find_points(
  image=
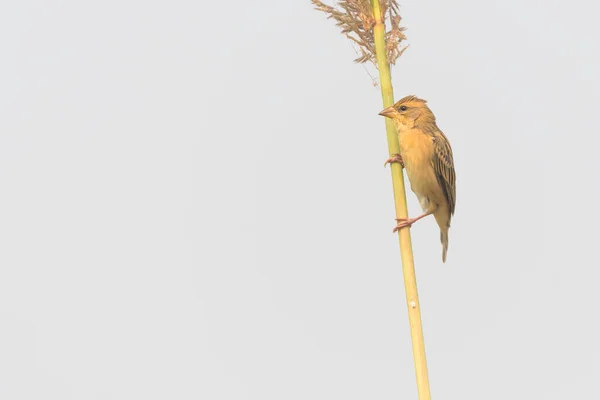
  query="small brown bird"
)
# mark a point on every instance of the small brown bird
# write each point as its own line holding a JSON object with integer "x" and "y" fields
{"x": 427, "y": 156}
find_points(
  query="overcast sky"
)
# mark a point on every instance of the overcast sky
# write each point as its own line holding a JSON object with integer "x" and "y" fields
{"x": 194, "y": 206}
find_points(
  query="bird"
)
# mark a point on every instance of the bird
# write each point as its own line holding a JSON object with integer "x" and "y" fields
{"x": 426, "y": 155}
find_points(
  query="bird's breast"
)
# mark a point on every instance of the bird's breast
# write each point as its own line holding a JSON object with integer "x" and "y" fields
{"x": 416, "y": 149}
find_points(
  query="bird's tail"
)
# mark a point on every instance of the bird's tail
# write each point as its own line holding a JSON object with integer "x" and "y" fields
{"x": 442, "y": 217}
{"x": 444, "y": 240}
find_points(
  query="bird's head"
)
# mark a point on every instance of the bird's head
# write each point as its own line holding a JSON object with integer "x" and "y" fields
{"x": 408, "y": 110}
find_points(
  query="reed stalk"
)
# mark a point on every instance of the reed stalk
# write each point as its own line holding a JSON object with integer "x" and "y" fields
{"x": 406, "y": 253}
{"x": 365, "y": 24}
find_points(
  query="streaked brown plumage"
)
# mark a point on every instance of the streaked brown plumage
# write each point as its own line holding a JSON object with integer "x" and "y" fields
{"x": 426, "y": 155}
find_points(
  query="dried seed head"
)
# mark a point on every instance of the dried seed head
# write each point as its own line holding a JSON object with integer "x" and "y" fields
{"x": 355, "y": 19}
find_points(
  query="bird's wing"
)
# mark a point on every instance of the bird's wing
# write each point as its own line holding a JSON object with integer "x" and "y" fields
{"x": 443, "y": 165}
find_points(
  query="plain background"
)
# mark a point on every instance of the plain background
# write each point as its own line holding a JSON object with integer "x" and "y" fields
{"x": 194, "y": 206}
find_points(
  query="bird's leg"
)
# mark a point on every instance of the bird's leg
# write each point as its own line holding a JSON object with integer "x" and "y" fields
{"x": 396, "y": 158}
{"x": 404, "y": 222}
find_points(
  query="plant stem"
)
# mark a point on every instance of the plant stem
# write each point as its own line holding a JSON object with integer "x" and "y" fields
{"x": 408, "y": 266}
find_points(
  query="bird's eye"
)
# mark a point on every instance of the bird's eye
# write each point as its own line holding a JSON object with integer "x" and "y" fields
{"x": 403, "y": 108}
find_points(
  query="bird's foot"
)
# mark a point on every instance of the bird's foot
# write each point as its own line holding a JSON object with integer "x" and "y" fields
{"x": 403, "y": 223}
{"x": 396, "y": 158}
{"x": 407, "y": 222}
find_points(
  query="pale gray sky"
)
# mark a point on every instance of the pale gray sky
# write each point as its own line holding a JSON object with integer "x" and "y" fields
{"x": 194, "y": 204}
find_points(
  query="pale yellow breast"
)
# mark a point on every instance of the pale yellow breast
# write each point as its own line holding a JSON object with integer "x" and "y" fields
{"x": 416, "y": 149}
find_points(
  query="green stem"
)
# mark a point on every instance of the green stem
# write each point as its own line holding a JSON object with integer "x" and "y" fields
{"x": 408, "y": 267}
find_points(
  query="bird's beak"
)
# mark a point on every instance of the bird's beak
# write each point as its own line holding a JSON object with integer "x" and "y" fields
{"x": 389, "y": 112}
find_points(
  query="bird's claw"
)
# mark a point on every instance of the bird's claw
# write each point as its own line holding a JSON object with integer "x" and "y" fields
{"x": 396, "y": 158}
{"x": 403, "y": 223}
